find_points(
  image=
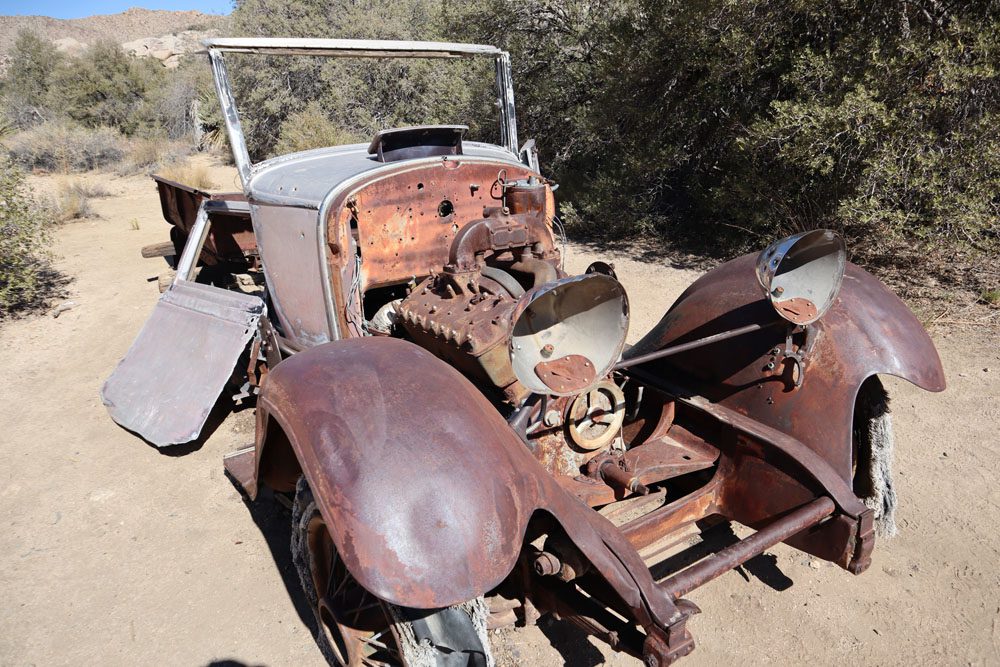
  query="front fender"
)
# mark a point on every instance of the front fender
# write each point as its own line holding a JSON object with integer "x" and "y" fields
{"x": 426, "y": 488}
{"x": 867, "y": 331}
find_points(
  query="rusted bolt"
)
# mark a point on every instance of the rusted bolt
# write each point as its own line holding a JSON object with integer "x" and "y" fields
{"x": 552, "y": 418}
{"x": 547, "y": 350}
{"x": 778, "y": 291}
{"x": 547, "y": 564}
{"x": 770, "y": 366}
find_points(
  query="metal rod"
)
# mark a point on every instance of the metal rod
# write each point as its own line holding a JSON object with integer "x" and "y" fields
{"x": 231, "y": 117}
{"x": 684, "y": 347}
{"x": 734, "y": 555}
{"x": 192, "y": 247}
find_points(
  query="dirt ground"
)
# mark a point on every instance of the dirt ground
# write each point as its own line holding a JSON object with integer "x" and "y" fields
{"x": 114, "y": 552}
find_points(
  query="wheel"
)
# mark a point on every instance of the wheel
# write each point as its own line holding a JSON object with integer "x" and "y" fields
{"x": 355, "y": 628}
{"x": 873, "y": 453}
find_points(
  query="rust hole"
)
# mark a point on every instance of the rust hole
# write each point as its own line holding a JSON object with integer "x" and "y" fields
{"x": 445, "y": 208}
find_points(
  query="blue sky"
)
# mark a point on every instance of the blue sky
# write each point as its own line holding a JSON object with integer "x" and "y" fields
{"x": 73, "y": 9}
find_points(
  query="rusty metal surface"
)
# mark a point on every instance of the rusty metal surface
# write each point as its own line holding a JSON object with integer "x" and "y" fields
{"x": 241, "y": 465}
{"x": 430, "y": 497}
{"x": 231, "y": 237}
{"x": 565, "y": 375}
{"x": 365, "y": 215}
{"x": 469, "y": 331}
{"x": 797, "y": 310}
{"x": 168, "y": 381}
{"x": 635, "y": 360}
{"x": 867, "y": 331}
{"x": 459, "y": 513}
{"x": 734, "y": 555}
{"x": 400, "y": 229}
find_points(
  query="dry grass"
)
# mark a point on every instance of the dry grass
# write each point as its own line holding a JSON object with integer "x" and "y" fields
{"x": 89, "y": 190}
{"x": 71, "y": 203}
{"x": 72, "y": 200}
{"x": 149, "y": 155}
{"x": 194, "y": 175}
{"x": 64, "y": 147}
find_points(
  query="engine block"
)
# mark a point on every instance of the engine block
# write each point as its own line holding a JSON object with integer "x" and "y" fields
{"x": 467, "y": 330}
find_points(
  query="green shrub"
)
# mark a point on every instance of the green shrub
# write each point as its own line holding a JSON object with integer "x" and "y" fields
{"x": 358, "y": 96}
{"x": 719, "y": 125}
{"x": 309, "y": 128}
{"x": 106, "y": 87}
{"x": 33, "y": 59}
{"x": 66, "y": 147}
{"x": 23, "y": 242}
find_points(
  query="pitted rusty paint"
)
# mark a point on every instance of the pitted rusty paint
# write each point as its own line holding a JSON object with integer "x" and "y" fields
{"x": 868, "y": 331}
{"x": 467, "y": 455}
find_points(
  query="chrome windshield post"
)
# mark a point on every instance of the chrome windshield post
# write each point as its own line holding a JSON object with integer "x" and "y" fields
{"x": 232, "y": 119}
{"x": 505, "y": 101}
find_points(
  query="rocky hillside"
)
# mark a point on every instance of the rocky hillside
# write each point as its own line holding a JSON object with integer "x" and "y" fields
{"x": 127, "y": 26}
{"x": 160, "y": 34}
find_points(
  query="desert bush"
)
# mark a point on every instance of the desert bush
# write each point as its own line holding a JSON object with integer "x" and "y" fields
{"x": 103, "y": 87}
{"x": 309, "y": 128}
{"x": 188, "y": 173}
{"x": 66, "y": 147}
{"x": 71, "y": 202}
{"x": 360, "y": 97}
{"x": 106, "y": 87}
{"x": 719, "y": 125}
{"x": 26, "y": 87}
{"x": 23, "y": 241}
{"x": 177, "y": 106}
{"x": 89, "y": 190}
{"x": 148, "y": 155}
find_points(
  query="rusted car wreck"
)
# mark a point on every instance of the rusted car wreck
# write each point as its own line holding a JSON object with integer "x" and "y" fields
{"x": 469, "y": 442}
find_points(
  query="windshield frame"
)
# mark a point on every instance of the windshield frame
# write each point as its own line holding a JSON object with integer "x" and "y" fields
{"x": 349, "y": 48}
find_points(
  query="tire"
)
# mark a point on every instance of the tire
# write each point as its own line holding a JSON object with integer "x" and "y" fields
{"x": 355, "y": 628}
{"x": 873, "y": 454}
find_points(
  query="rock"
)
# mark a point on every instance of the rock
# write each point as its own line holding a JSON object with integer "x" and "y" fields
{"x": 162, "y": 54}
{"x": 62, "y": 308}
{"x": 69, "y": 46}
{"x": 168, "y": 49}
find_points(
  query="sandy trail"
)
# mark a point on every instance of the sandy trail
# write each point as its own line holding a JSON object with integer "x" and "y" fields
{"x": 115, "y": 553}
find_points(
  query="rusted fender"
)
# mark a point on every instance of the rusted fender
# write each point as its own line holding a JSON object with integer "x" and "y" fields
{"x": 867, "y": 331}
{"x": 427, "y": 489}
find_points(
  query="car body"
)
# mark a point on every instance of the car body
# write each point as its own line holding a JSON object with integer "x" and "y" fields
{"x": 464, "y": 418}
